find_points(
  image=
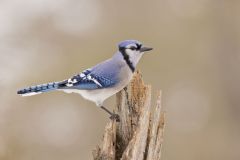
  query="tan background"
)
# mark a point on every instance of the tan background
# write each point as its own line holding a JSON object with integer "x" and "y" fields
{"x": 195, "y": 62}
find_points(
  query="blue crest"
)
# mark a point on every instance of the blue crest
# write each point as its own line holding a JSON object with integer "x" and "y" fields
{"x": 125, "y": 43}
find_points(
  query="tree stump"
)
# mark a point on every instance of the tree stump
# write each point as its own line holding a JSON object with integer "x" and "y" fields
{"x": 139, "y": 134}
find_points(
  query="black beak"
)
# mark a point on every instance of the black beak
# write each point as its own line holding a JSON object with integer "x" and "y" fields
{"x": 145, "y": 49}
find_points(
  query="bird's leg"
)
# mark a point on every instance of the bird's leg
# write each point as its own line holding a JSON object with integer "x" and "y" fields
{"x": 112, "y": 115}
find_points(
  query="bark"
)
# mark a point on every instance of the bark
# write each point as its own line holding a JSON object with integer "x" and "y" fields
{"x": 139, "y": 134}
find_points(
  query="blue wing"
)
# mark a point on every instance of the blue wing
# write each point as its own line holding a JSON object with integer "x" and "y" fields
{"x": 87, "y": 80}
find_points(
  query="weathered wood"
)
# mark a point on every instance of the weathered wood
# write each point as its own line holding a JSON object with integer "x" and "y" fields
{"x": 156, "y": 132}
{"x": 138, "y": 135}
{"x": 107, "y": 150}
{"x": 137, "y": 146}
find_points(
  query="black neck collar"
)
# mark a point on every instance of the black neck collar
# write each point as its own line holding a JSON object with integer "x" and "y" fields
{"x": 127, "y": 59}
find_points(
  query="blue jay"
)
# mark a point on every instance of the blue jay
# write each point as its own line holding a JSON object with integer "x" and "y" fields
{"x": 101, "y": 81}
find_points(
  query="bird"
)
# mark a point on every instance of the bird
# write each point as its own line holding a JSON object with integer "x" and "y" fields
{"x": 101, "y": 81}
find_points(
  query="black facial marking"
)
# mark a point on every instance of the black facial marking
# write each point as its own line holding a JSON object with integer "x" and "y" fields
{"x": 126, "y": 58}
{"x": 139, "y": 46}
{"x": 133, "y": 48}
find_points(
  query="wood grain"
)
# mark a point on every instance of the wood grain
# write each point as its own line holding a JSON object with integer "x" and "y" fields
{"x": 139, "y": 134}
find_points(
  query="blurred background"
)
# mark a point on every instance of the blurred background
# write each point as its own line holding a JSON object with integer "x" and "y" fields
{"x": 195, "y": 62}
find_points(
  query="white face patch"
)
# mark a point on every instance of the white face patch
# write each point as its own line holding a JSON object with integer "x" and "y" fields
{"x": 134, "y": 56}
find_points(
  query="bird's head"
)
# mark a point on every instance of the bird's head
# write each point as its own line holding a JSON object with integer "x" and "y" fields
{"x": 132, "y": 50}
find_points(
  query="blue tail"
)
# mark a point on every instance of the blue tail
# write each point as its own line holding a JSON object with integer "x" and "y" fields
{"x": 38, "y": 89}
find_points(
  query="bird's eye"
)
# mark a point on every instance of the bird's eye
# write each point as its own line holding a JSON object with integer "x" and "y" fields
{"x": 133, "y": 48}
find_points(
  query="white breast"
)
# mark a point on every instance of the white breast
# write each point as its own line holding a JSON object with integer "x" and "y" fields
{"x": 98, "y": 96}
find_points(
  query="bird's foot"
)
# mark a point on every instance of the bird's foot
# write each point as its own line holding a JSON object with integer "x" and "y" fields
{"x": 115, "y": 117}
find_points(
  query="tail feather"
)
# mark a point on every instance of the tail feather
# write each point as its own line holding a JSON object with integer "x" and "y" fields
{"x": 33, "y": 90}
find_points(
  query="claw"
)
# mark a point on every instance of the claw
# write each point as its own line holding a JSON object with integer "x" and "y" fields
{"x": 115, "y": 117}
